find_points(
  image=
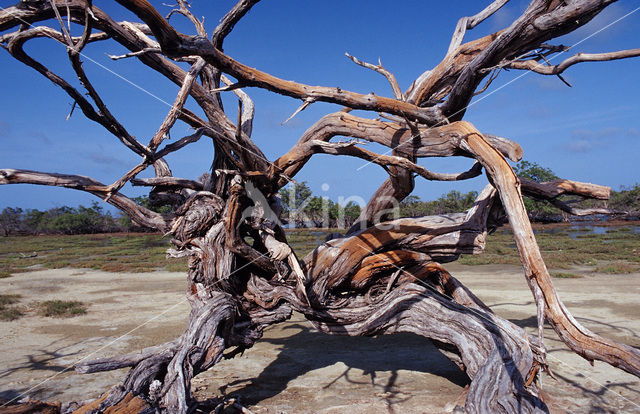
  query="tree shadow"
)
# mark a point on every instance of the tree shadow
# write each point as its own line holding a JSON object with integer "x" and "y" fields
{"x": 308, "y": 350}
{"x": 599, "y": 403}
{"x": 529, "y": 322}
{"x": 43, "y": 360}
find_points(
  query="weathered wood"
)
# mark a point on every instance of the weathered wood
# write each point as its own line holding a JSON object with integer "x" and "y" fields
{"x": 468, "y": 23}
{"x": 537, "y": 67}
{"x": 168, "y": 182}
{"x": 384, "y": 275}
{"x": 578, "y": 338}
{"x": 29, "y": 407}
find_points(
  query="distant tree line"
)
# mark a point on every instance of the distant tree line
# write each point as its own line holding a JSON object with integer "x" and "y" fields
{"x": 452, "y": 202}
{"x": 65, "y": 220}
{"x": 301, "y": 208}
{"x": 627, "y": 200}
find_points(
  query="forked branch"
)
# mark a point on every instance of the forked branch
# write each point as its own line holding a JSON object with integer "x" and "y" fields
{"x": 468, "y": 23}
{"x": 538, "y": 67}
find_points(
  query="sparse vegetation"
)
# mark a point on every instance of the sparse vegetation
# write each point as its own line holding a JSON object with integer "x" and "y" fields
{"x": 564, "y": 247}
{"x": 617, "y": 268}
{"x": 6, "y": 299}
{"x": 8, "y": 312}
{"x": 62, "y": 308}
{"x": 51, "y": 308}
{"x": 120, "y": 252}
{"x": 566, "y": 275}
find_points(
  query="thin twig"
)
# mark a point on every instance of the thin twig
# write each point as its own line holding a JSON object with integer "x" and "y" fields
{"x": 381, "y": 70}
{"x": 301, "y": 108}
{"x": 138, "y": 53}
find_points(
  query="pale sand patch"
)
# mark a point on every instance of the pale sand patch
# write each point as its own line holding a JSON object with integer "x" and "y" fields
{"x": 295, "y": 369}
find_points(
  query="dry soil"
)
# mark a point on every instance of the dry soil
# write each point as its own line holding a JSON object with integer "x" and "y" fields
{"x": 296, "y": 369}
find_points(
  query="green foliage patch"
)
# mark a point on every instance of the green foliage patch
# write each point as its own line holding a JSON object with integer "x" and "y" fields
{"x": 303, "y": 209}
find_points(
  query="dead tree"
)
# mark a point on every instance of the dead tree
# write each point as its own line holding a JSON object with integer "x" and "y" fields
{"x": 382, "y": 276}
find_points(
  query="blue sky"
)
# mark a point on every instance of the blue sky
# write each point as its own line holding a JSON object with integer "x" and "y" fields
{"x": 589, "y": 132}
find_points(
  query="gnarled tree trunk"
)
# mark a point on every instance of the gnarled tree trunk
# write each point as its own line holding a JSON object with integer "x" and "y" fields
{"x": 384, "y": 275}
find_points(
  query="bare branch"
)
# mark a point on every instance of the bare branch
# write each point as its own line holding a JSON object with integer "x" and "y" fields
{"x": 134, "y": 54}
{"x": 434, "y": 142}
{"x": 86, "y": 33}
{"x": 557, "y": 188}
{"x": 178, "y": 104}
{"x": 176, "y": 44}
{"x": 108, "y": 118}
{"x": 350, "y": 148}
{"x": 116, "y": 186}
{"x": 492, "y": 77}
{"x": 301, "y": 108}
{"x": 540, "y": 22}
{"x": 468, "y": 23}
{"x": 229, "y": 21}
{"x": 248, "y": 107}
{"x": 67, "y": 36}
{"x": 182, "y": 142}
{"x": 228, "y": 87}
{"x": 537, "y": 67}
{"x": 429, "y": 87}
{"x": 381, "y": 70}
{"x": 580, "y": 211}
{"x": 243, "y": 275}
{"x": 139, "y": 214}
{"x": 184, "y": 10}
{"x": 104, "y": 118}
{"x": 581, "y": 340}
{"x": 167, "y": 182}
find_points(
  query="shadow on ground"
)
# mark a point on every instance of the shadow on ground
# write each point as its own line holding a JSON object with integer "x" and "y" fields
{"x": 373, "y": 362}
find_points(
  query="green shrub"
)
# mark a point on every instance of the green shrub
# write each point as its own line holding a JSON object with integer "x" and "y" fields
{"x": 62, "y": 308}
{"x": 9, "y": 313}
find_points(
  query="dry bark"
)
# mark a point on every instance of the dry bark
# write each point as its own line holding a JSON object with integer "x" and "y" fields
{"x": 384, "y": 275}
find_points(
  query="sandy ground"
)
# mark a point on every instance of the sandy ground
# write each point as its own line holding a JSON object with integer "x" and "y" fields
{"x": 295, "y": 369}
